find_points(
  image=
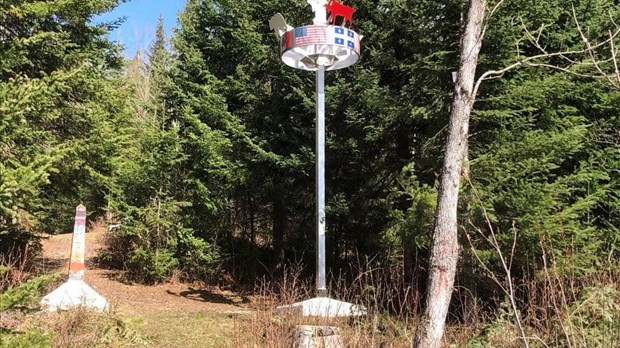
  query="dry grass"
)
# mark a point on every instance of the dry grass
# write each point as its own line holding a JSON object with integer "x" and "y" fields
{"x": 14, "y": 268}
{"x": 275, "y": 330}
{"x": 82, "y": 327}
{"x": 190, "y": 330}
{"x": 557, "y": 311}
{"x": 566, "y": 325}
{"x": 382, "y": 291}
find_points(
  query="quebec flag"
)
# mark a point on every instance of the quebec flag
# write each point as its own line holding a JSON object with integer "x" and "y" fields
{"x": 345, "y": 37}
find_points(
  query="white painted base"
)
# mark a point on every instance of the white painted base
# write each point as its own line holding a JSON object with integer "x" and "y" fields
{"x": 310, "y": 336}
{"x": 73, "y": 294}
{"x": 324, "y": 307}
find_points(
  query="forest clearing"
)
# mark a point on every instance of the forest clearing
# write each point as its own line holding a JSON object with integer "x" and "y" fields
{"x": 448, "y": 170}
{"x": 165, "y": 315}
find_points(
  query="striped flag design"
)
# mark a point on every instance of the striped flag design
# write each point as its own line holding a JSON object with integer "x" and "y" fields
{"x": 310, "y": 35}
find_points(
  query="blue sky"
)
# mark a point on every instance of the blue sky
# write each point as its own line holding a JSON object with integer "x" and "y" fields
{"x": 141, "y": 18}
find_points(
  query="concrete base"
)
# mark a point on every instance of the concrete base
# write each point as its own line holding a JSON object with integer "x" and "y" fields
{"x": 324, "y": 307}
{"x": 310, "y": 336}
{"x": 73, "y": 294}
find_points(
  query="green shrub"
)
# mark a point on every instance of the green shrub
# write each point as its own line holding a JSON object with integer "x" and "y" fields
{"x": 198, "y": 258}
{"x": 500, "y": 332}
{"x": 150, "y": 266}
{"x": 594, "y": 320}
{"x": 24, "y": 294}
{"x": 18, "y": 298}
{"x": 28, "y": 339}
{"x": 118, "y": 245}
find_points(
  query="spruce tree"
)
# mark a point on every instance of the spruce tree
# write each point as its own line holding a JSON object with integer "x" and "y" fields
{"x": 60, "y": 113}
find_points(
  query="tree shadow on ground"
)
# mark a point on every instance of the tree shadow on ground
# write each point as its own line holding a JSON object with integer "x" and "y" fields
{"x": 116, "y": 275}
{"x": 210, "y": 296}
{"x": 45, "y": 265}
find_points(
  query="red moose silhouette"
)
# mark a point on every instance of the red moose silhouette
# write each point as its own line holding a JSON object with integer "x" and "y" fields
{"x": 336, "y": 9}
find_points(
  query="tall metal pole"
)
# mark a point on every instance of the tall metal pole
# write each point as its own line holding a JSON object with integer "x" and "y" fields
{"x": 319, "y": 47}
{"x": 321, "y": 284}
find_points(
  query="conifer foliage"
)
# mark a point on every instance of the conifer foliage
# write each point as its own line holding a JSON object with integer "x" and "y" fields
{"x": 59, "y": 114}
{"x": 200, "y": 148}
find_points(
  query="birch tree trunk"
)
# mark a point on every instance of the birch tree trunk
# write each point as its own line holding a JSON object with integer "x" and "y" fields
{"x": 444, "y": 253}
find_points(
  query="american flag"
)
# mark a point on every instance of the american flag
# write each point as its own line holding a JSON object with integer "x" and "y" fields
{"x": 310, "y": 35}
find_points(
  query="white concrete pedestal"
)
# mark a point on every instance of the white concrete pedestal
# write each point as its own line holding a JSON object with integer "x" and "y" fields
{"x": 324, "y": 307}
{"x": 74, "y": 294}
{"x": 311, "y": 336}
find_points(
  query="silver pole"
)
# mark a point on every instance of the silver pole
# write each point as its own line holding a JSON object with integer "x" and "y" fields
{"x": 320, "y": 182}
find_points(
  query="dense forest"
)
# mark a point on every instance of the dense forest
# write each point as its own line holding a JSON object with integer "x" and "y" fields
{"x": 201, "y": 147}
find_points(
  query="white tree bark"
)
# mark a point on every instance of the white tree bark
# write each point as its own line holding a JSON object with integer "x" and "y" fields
{"x": 444, "y": 253}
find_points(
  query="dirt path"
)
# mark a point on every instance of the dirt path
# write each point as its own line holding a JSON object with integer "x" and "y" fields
{"x": 138, "y": 299}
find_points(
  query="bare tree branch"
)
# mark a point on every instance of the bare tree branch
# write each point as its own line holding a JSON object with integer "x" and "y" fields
{"x": 591, "y": 50}
{"x": 613, "y": 58}
{"x": 489, "y": 16}
{"x": 566, "y": 70}
{"x": 498, "y": 73}
{"x": 508, "y": 288}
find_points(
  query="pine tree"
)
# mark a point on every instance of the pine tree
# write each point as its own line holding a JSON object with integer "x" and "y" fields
{"x": 367, "y": 105}
{"x": 537, "y": 193}
{"x": 171, "y": 203}
{"x": 60, "y": 113}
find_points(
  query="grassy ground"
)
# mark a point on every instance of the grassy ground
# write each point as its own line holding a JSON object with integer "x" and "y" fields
{"x": 190, "y": 315}
{"x": 198, "y": 329}
{"x": 182, "y": 315}
{"x": 165, "y": 315}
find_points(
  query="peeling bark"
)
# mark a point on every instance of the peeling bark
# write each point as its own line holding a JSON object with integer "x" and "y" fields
{"x": 444, "y": 252}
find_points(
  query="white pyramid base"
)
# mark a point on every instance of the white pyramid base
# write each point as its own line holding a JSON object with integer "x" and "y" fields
{"x": 74, "y": 294}
{"x": 324, "y": 307}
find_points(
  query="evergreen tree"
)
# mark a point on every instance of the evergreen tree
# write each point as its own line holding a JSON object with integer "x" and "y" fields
{"x": 173, "y": 176}
{"x": 367, "y": 106}
{"x": 60, "y": 114}
{"x": 536, "y": 160}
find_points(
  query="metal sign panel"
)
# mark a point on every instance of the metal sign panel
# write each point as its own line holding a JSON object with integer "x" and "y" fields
{"x": 304, "y": 47}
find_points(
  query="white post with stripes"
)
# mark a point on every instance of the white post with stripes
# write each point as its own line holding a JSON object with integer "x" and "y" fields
{"x": 75, "y": 293}
{"x": 78, "y": 245}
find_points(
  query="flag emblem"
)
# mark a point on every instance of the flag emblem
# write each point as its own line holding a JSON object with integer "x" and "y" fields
{"x": 339, "y": 41}
{"x": 309, "y": 35}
